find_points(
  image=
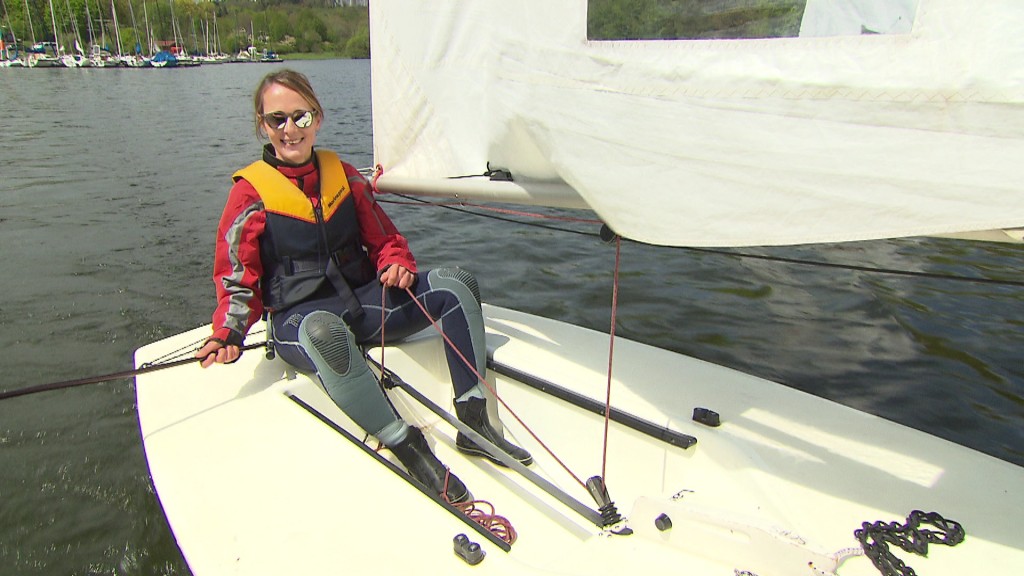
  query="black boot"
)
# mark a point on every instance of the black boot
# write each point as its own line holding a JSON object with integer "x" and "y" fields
{"x": 473, "y": 413}
{"x": 414, "y": 453}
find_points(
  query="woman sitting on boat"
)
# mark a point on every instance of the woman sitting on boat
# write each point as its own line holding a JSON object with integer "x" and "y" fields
{"x": 302, "y": 237}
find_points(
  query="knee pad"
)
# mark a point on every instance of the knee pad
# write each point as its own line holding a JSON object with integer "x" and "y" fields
{"x": 346, "y": 378}
{"x": 328, "y": 342}
{"x": 459, "y": 281}
{"x": 467, "y": 291}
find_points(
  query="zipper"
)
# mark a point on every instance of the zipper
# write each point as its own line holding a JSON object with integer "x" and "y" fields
{"x": 318, "y": 213}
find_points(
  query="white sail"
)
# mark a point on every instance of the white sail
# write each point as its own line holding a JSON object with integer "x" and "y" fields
{"x": 712, "y": 142}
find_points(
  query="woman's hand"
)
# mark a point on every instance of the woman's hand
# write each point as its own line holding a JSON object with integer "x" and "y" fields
{"x": 216, "y": 351}
{"x": 397, "y": 277}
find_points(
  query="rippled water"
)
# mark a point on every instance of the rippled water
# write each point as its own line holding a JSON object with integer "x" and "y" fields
{"x": 112, "y": 184}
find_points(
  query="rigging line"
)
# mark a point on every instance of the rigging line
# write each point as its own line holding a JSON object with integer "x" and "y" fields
{"x": 416, "y": 202}
{"x": 491, "y": 389}
{"x": 190, "y": 348}
{"x": 456, "y": 208}
{"x": 492, "y": 522}
{"x": 146, "y": 368}
{"x": 870, "y": 269}
{"x": 611, "y": 355}
{"x": 747, "y": 255}
{"x": 383, "y": 301}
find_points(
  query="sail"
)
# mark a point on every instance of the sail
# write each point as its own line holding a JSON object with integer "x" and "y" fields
{"x": 880, "y": 119}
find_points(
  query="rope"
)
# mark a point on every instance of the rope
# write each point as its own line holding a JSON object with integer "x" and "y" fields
{"x": 611, "y": 355}
{"x": 383, "y": 300}
{"x": 189, "y": 349}
{"x": 418, "y": 202}
{"x": 494, "y": 523}
{"x": 876, "y": 537}
{"x": 378, "y": 171}
{"x": 182, "y": 355}
{"x": 456, "y": 206}
{"x": 491, "y": 389}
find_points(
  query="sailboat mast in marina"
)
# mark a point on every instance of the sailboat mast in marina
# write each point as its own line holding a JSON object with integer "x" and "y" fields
{"x": 28, "y": 19}
{"x": 149, "y": 31}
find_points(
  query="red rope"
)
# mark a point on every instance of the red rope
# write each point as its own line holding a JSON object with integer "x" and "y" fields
{"x": 497, "y": 525}
{"x": 494, "y": 523}
{"x": 378, "y": 171}
{"x": 611, "y": 354}
{"x": 490, "y": 388}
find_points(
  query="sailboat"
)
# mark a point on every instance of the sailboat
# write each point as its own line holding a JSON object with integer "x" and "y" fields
{"x": 9, "y": 51}
{"x": 819, "y": 137}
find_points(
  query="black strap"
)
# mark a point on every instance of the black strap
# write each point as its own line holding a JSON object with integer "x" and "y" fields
{"x": 348, "y": 297}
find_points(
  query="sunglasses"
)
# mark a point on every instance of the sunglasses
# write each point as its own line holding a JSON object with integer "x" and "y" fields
{"x": 278, "y": 120}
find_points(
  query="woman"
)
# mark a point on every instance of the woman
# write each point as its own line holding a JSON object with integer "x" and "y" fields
{"x": 302, "y": 238}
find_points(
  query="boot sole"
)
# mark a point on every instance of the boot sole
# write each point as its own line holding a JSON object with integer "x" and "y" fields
{"x": 474, "y": 451}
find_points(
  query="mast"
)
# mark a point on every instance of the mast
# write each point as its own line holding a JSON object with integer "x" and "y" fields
{"x": 103, "y": 28}
{"x": 88, "y": 25}
{"x": 195, "y": 39}
{"x": 28, "y": 18}
{"x": 117, "y": 29}
{"x": 4, "y": 49}
{"x": 58, "y": 49}
{"x": 7, "y": 17}
{"x": 175, "y": 31}
{"x": 135, "y": 28}
{"x": 149, "y": 31}
{"x": 74, "y": 28}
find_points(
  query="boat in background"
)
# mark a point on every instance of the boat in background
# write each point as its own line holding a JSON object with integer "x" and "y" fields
{"x": 253, "y": 54}
{"x": 664, "y": 461}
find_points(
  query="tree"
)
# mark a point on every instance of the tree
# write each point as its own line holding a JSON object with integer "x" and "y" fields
{"x": 358, "y": 46}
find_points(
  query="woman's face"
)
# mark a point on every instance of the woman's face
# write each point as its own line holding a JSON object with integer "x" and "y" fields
{"x": 290, "y": 131}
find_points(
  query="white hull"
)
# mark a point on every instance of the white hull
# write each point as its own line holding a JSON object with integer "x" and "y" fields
{"x": 253, "y": 483}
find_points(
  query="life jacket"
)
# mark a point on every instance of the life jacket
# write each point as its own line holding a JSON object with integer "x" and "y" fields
{"x": 307, "y": 251}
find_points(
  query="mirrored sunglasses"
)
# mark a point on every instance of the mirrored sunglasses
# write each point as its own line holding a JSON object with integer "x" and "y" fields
{"x": 278, "y": 120}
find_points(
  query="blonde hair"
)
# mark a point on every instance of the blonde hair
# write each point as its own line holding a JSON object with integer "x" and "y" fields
{"x": 290, "y": 79}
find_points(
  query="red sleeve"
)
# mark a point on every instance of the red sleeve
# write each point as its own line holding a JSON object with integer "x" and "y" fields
{"x": 385, "y": 245}
{"x": 237, "y": 268}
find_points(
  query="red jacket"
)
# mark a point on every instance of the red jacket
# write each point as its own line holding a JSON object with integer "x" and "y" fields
{"x": 237, "y": 264}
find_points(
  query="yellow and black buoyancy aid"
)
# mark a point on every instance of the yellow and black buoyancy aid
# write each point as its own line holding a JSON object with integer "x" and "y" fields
{"x": 306, "y": 248}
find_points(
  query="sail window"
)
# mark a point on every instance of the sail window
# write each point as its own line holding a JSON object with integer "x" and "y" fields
{"x": 740, "y": 19}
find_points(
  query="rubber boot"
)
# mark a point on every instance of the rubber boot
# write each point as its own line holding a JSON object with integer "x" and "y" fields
{"x": 414, "y": 453}
{"x": 473, "y": 413}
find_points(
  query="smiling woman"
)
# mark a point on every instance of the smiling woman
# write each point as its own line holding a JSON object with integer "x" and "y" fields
{"x": 285, "y": 91}
{"x": 303, "y": 239}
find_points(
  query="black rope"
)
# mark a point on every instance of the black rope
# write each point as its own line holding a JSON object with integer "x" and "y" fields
{"x": 876, "y": 537}
{"x": 145, "y": 368}
{"x": 481, "y": 215}
{"x": 747, "y": 255}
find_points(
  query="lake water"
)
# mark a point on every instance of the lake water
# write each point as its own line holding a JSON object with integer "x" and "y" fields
{"x": 112, "y": 184}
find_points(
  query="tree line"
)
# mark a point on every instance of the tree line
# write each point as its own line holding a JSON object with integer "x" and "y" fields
{"x": 325, "y": 27}
{"x": 228, "y": 26}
